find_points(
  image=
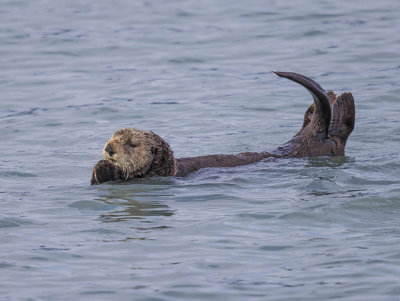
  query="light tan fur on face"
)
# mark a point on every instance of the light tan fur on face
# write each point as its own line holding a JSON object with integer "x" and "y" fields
{"x": 132, "y": 151}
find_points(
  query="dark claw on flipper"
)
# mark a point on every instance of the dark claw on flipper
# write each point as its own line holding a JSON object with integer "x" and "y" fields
{"x": 321, "y": 100}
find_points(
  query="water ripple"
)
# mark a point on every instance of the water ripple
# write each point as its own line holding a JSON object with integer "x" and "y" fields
{"x": 196, "y": 73}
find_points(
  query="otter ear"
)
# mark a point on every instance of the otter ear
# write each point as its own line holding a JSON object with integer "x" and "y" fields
{"x": 154, "y": 151}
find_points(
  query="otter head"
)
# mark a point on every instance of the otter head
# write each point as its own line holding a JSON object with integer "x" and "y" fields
{"x": 139, "y": 154}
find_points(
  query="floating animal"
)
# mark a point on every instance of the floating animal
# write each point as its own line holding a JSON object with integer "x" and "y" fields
{"x": 133, "y": 153}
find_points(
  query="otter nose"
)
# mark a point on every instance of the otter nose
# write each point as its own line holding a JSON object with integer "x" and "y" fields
{"x": 109, "y": 150}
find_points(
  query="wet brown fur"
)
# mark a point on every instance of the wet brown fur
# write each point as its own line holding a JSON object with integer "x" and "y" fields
{"x": 133, "y": 153}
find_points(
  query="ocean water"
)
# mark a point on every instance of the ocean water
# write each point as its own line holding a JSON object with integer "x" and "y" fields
{"x": 198, "y": 74}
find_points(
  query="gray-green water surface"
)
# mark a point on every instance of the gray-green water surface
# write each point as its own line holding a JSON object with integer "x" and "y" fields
{"x": 197, "y": 73}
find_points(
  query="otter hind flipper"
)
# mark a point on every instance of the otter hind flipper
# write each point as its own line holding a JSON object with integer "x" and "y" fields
{"x": 322, "y": 112}
{"x": 343, "y": 117}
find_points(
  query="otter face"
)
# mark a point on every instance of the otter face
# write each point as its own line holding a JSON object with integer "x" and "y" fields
{"x": 132, "y": 150}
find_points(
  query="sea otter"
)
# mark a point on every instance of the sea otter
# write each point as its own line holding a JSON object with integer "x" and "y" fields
{"x": 133, "y": 153}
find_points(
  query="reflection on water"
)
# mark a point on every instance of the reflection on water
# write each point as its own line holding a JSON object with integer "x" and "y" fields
{"x": 137, "y": 210}
{"x": 137, "y": 201}
{"x": 330, "y": 162}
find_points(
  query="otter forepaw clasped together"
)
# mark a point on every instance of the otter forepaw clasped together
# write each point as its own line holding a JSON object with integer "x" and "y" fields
{"x": 133, "y": 153}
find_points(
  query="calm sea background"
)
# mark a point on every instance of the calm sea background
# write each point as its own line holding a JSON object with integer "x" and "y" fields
{"x": 198, "y": 74}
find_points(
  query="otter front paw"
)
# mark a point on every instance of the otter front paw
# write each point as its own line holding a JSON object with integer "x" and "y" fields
{"x": 104, "y": 171}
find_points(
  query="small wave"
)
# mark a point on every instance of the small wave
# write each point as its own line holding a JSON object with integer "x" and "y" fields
{"x": 32, "y": 111}
{"x": 13, "y": 222}
{"x": 5, "y": 265}
{"x": 8, "y": 174}
{"x": 92, "y": 205}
